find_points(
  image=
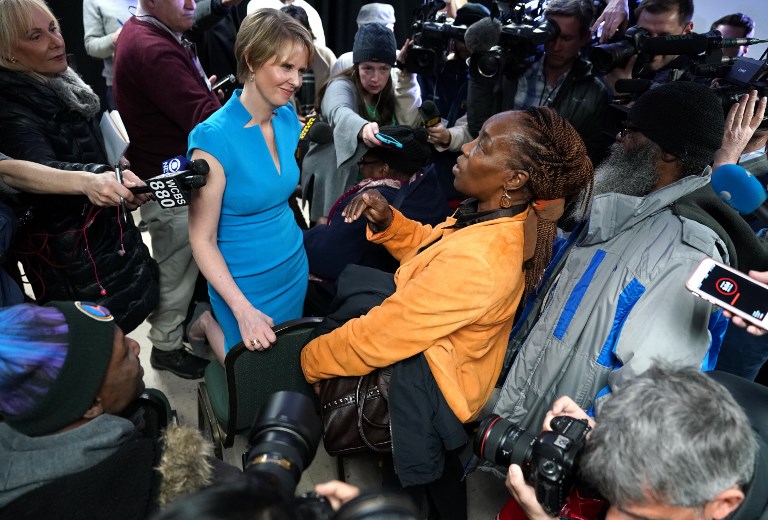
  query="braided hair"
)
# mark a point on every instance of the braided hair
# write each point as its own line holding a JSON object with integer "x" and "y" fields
{"x": 555, "y": 157}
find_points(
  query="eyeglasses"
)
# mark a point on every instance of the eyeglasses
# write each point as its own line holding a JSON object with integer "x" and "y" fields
{"x": 629, "y": 128}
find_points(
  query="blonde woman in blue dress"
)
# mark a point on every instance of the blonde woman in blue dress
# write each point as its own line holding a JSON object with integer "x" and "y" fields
{"x": 244, "y": 236}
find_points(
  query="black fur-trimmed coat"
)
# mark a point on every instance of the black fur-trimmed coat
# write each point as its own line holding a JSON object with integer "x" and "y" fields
{"x": 70, "y": 249}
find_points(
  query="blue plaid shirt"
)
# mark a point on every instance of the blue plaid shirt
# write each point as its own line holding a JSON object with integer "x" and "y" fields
{"x": 532, "y": 89}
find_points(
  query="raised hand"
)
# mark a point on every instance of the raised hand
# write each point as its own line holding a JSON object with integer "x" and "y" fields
{"x": 740, "y": 124}
{"x": 615, "y": 14}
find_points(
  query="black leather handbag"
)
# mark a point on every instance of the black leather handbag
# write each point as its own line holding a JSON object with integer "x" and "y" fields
{"x": 355, "y": 413}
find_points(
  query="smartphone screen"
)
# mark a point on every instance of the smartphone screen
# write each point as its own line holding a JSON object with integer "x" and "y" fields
{"x": 735, "y": 290}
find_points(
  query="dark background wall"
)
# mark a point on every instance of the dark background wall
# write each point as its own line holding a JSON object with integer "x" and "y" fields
{"x": 338, "y": 21}
{"x": 70, "y": 14}
{"x": 340, "y": 26}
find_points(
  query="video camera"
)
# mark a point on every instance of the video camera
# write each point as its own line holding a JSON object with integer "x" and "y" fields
{"x": 511, "y": 45}
{"x": 744, "y": 76}
{"x": 432, "y": 32}
{"x": 283, "y": 441}
{"x": 735, "y": 76}
{"x": 703, "y": 48}
{"x": 507, "y": 45}
{"x": 519, "y": 46}
{"x": 548, "y": 460}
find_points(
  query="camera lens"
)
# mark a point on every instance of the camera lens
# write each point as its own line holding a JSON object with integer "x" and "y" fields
{"x": 607, "y": 57}
{"x": 545, "y": 32}
{"x": 502, "y": 442}
{"x": 284, "y": 438}
{"x": 488, "y": 66}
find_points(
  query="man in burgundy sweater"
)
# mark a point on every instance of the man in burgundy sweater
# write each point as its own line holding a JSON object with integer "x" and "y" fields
{"x": 162, "y": 92}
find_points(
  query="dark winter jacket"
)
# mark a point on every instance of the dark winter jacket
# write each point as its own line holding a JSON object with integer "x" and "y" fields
{"x": 582, "y": 99}
{"x": 139, "y": 474}
{"x": 70, "y": 249}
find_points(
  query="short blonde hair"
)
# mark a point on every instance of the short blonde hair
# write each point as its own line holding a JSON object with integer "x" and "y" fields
{"x": 15, "y": 20}
{"x": 265, "y": 34}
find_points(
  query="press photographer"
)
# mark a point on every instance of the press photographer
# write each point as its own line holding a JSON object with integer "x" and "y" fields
{"x": 654, "y": 18}
{"x": 434, "y": 35}
{"x": 282, "y": 444}
{"x": 558, "y": 77}
{"x": 700, "y": 55}
{"x": 672, "y": 444}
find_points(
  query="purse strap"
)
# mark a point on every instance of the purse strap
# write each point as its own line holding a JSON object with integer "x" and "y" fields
{"x": 364, "y": 384}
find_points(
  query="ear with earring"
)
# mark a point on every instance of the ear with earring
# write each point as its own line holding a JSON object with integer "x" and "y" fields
{"x": 13, "y": 59}
{"x": 506, "y": 200}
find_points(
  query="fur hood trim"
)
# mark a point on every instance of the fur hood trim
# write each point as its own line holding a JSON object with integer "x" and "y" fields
{"x": 184, "y": 465}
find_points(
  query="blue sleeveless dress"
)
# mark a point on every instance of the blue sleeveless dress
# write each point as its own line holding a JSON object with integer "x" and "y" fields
{"x": 258, "y": 236}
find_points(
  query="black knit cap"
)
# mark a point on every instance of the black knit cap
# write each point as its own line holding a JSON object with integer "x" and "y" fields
{"x": 414, "y": 154}
{"x": 682, "y": 117}
{"x": 90, "y": 339}
{"x": 374, "y": 42}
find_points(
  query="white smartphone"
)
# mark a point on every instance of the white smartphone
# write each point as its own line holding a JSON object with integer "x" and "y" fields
{"x": 732, "y": 290}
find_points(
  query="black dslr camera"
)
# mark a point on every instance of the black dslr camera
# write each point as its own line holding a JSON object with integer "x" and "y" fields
{"x": 283, "y": 441}
{"x": 548, "y": 460}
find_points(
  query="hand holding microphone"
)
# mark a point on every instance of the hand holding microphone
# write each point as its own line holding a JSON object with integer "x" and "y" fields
{"x": 438, "y": 134}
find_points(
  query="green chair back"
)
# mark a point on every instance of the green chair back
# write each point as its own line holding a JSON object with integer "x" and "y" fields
{"x": 239, "y": 389}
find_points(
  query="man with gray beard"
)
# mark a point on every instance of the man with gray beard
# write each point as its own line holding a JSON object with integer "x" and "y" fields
{"x": 614, "y": 298}
{"x": 611, "y": 176}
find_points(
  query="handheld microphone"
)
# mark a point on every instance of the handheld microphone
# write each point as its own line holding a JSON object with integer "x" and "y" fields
{"x": 482, "y": 35}
{"x": 192, "y": 182}
{"x": 183, "y": 180}
{"x": 693, "y": 43}
{"x": 321, "y": 133}
{"x": 741, "y": 190}
{"x": 430, "y": 113}
{"x": 314, "y": 131}
{"x": 181, "y": 163}
{"x": 171, "y": 189}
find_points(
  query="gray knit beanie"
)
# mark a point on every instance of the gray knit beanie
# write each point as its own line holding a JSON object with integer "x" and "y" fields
{"x": 682, "y": 117}
{"x": 374, "y": 42}
{"x": 376, "y": 13}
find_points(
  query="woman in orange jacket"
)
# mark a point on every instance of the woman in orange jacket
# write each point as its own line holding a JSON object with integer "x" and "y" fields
{"x": 460, "y": 283}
